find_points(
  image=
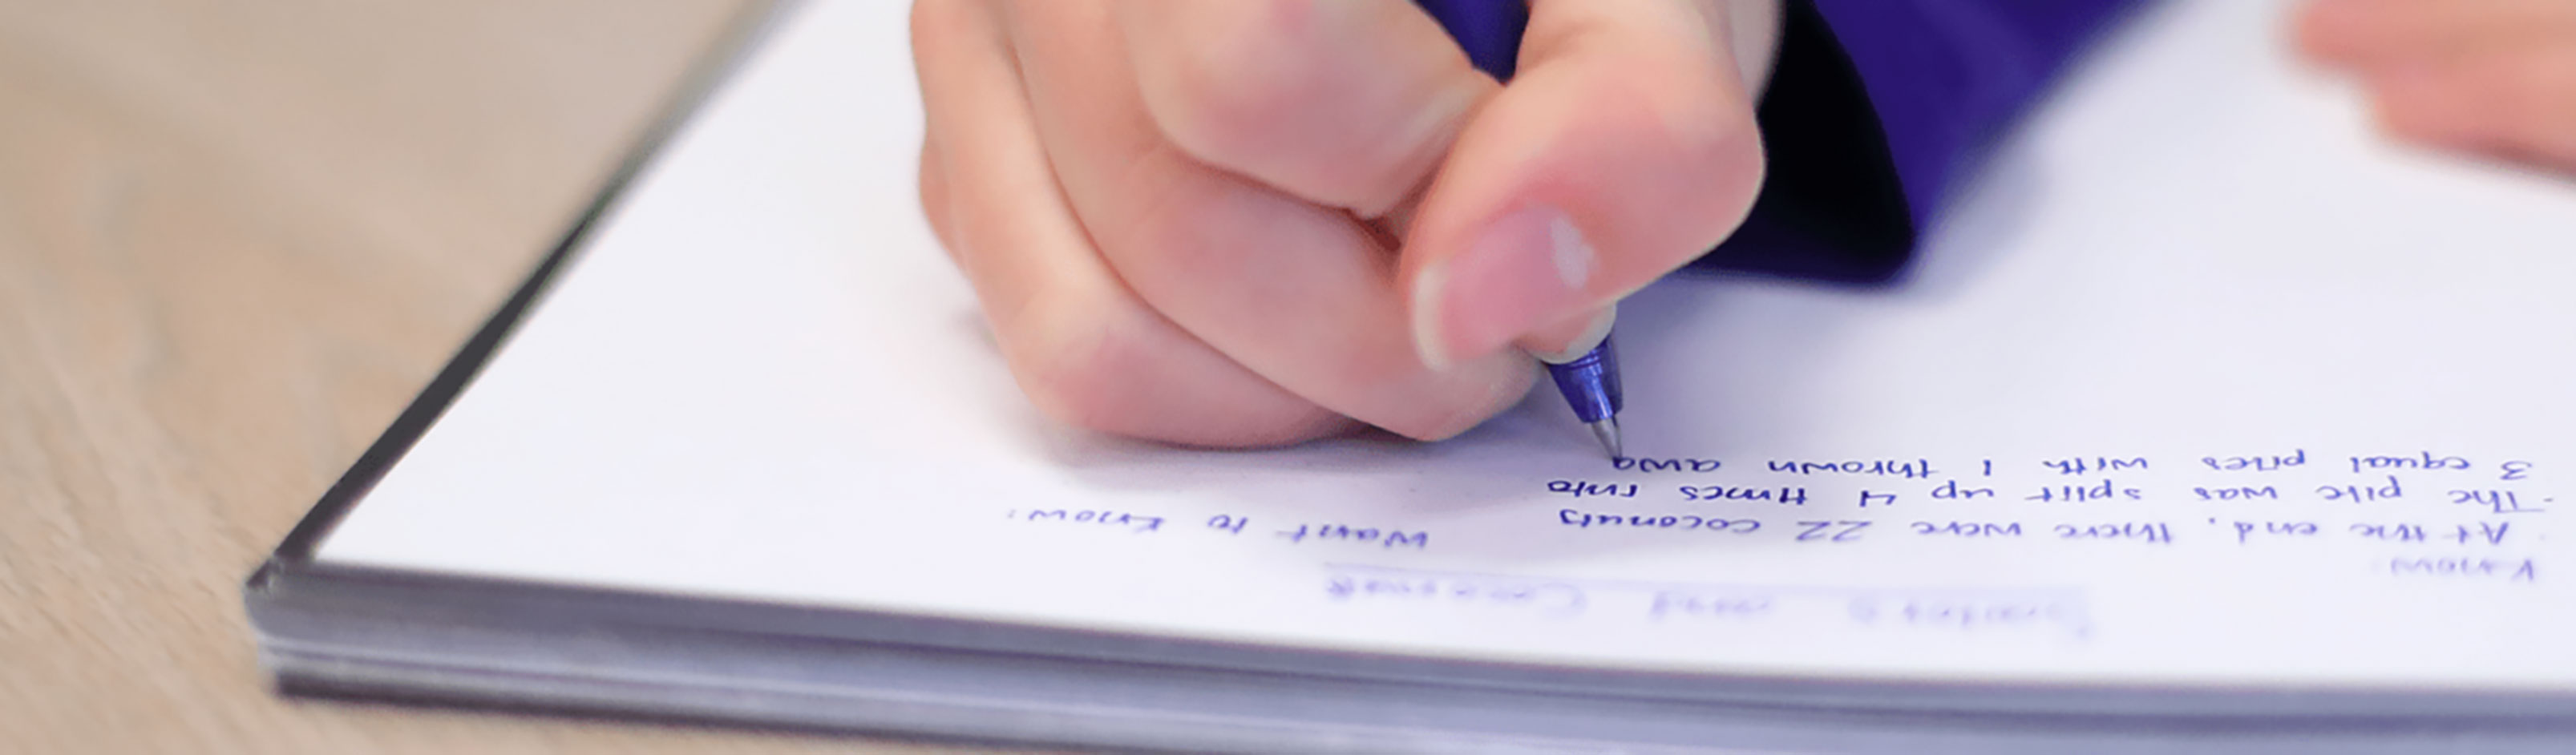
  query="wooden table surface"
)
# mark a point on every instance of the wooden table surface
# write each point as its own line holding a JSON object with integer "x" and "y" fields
{"x": 235, "y": 239}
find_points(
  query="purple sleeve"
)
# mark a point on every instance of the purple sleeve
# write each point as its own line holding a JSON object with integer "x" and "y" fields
{"x": 1877, "y": 106}
{"x": 1944, "y": 74}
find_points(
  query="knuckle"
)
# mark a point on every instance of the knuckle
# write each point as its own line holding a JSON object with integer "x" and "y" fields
{"x": 934, "y": 22}
{"x": 2400, "y": 117}
{"x": 1184, "y": 221}
{"x": 1230, "y": 87}
{"x": 1677, "y": 145}
{"x": 1480, "y": 392}
{"x": 932, "y": 185}
{"x": 1119, "y": 375}
{"x": 1086, "y": 381}
{"x": 1704, "y": 131}
{"x": 1687, "y": 113}
{"x": 1711, "y": 150}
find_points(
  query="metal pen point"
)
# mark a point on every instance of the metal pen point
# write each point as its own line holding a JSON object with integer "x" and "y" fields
{"x": 1607, "y": 431}
{"x": 1591, "y": 385}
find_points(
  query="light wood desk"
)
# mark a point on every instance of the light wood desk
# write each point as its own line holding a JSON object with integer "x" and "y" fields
{"x": 234, "y": 239}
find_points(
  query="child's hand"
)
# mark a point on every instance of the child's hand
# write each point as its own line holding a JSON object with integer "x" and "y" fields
{"x": 2494, "y": 77}
{"x": 1216, "y": 221}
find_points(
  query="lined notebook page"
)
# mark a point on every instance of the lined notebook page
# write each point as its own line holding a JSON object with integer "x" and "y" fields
{"x": 2202, "y": 385}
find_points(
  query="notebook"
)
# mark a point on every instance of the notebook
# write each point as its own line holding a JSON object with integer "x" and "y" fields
{"x": 2208, "y": 421}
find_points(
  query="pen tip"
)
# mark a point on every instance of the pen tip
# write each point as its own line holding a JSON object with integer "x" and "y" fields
{"x": 1607, "y": 430}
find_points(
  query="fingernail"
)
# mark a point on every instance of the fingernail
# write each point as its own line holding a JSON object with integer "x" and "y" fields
{"x": 1577, "y": 336}
{"x": 1527, "y": 269}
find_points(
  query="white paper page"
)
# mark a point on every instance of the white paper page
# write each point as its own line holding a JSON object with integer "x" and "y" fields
{"x": 2195, "y": 265}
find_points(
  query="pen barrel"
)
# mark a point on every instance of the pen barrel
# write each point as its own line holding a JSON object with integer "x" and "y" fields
{"x": 1591, "y": 382}
{"x": 1489, "y": 31}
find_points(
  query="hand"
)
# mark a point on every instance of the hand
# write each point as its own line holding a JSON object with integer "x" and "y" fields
{"x": 1255, "y": 222}
{"x": 2493, "y": 77}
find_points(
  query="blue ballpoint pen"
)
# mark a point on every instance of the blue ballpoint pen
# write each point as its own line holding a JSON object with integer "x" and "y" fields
{"x": 1490, "y": 31}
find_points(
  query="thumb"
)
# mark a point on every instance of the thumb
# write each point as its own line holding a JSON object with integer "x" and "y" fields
{"x": 1624, "y": 148}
